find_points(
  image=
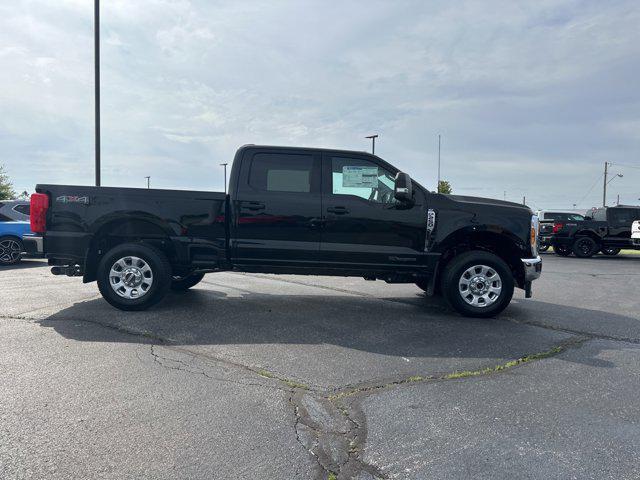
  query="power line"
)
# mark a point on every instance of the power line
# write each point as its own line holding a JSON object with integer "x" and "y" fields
{"x": 589, "y": 191}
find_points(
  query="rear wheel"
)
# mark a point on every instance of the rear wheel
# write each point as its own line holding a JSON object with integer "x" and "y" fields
{"x": 182, "y": 284}
{"x": 478, "y": 284}
{"x": 133, "y": 276}
{"x": 10, "y": 250}
{"x": 585, "y": 247}
{"x": 562, "y": 250}
{"x": 610, "y": 251}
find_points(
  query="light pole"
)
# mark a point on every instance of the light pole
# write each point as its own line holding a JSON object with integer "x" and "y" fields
{"x": 438, "y": 189}
{"x": 148, "y": 181}
{"x": 604, "y": 193}
{"x": 96, "y": 60}
{"x": 373, "y": 143}
{"x": 225, "y": 176}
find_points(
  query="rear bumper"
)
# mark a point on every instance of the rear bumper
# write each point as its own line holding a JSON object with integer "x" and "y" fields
{"x": 33, "y": 245}
{"x": 532, "y": 268}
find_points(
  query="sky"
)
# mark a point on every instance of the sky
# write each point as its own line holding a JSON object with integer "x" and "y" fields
{"x": 530, "y": 98}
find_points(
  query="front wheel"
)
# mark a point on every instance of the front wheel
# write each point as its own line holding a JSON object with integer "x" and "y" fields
{"x": 611, "y": 251}
{"x": 134, "y": 276}
{"x": 478, "y": 284}
{"x": 182, "y": 284}
{"x": 10, "y": 250}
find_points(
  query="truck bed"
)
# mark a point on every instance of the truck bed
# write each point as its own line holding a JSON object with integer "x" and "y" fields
{"x": 194, "y": 221}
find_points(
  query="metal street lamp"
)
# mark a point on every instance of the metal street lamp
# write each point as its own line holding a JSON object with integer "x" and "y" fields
{"x": 373, "y": 143}
{"x": 148, "y": 177}
{"x": 96, "y": 60}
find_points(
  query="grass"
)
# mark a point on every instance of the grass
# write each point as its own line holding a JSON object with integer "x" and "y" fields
{"x": 622, "y": 252}
{"x": 286, "y": 381}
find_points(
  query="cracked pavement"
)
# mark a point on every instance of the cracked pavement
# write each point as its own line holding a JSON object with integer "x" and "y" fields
{"x": 260, "y": 376}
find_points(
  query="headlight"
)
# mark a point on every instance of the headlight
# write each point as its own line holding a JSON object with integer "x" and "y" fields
{"x": 535, "y": 229}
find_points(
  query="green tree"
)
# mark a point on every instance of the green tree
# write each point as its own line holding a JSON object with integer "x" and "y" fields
{"x": 6, "y": 187}
{"x": 444, "y": 187}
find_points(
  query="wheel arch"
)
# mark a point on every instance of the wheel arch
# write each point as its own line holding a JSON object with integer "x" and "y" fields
{"x": 126, "y": 230}
{"x": 503, "y": 244}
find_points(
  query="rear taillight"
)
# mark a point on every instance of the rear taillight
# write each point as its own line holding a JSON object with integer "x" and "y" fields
{"x": 38, "y": 212}
{"x": 557, "y": 227}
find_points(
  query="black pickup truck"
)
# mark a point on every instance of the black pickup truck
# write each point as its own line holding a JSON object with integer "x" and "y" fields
{"x": 605, "y": 229}
{"x": 291, "y": 211}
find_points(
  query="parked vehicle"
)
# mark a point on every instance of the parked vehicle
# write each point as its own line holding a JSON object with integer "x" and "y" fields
{"x": 547, "y": 218}
{"x": 291, "y": 211}
{"x": 608, "y": 231}
{"x": 11, "y": 246}
{"x": 14, "y": 210}
{"x": 635, "y": 233}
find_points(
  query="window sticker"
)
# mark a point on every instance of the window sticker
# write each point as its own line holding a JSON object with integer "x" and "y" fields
{"x": 362, "y": 177}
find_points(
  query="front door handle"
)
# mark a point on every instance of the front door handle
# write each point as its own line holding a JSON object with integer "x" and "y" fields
{"x": 338, "y": 210}
{"x": 253, "y": 205}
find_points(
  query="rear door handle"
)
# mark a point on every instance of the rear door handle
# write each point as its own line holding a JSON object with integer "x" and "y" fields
{"x": 338, "y": 210}
{"x": 253, "y": 205}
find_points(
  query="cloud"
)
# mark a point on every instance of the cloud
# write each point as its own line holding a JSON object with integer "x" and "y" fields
{"x": 530, "y": 98}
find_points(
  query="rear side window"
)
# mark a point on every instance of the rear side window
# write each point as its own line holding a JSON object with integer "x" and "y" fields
{"x": 620, "y": 216}
{"x": 4, "y": 218}
{"x": 282, "y": 172}
{"x": 23, "y": 208}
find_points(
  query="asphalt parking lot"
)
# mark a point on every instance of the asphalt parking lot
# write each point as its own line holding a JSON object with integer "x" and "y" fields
{"x": 261, "y": 376}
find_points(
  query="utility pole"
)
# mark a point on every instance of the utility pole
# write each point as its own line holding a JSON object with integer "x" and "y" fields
{"x": 96, "y": 60}
{"x": 148, "y": 181}
{"x": 604, "y": 188}
{"x": 438, "y": 189}
{"x": 504, "y": 195}
{"x": 225, "y": 176}
{"x": 373, "y": 143}
{"x": 524, "y": 200}
{"x": 618, "y": 200}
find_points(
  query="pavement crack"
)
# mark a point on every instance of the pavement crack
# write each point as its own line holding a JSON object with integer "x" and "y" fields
{"x": 329, "y": 433}
{"x": 591, "y": 335}
{"x": 573, "y": 342}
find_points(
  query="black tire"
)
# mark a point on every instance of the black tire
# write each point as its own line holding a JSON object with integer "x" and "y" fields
{"x": 610, "y": 251}
{"x": 585, "y": 247}
{"x": 11, "y": 249}
{"x": 160, "y": 275}
{"x": 562, "y": 250}
{"x": 185, "y": 283}
{"x": 458, "y": 267}
{"x": 543, "y": 248}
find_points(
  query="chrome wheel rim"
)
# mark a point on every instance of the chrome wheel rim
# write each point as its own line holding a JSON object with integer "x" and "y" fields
{"x": 480, "y": 286}
{"x": 131, "y": 277}
{"x": 10, "y": 251}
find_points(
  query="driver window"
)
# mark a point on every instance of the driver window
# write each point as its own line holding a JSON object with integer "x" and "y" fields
{"x": 362, "y": 178}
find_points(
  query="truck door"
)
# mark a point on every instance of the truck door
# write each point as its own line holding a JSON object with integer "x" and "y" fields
{"x": 364, "y": 227}
{"x": 620, "y": 221}
{"x": 277, "y": 208}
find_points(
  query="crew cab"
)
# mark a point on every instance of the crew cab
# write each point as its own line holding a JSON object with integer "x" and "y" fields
{"x": 606, "y": 229}
{"x": 292, "y": 211}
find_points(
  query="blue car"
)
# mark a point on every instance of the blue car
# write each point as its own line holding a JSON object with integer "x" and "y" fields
{"x": 14, "y": 223}
{"x": 11, "y": 248}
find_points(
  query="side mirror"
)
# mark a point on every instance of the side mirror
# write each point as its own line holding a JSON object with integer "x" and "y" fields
{"x": 403, "y": 191}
